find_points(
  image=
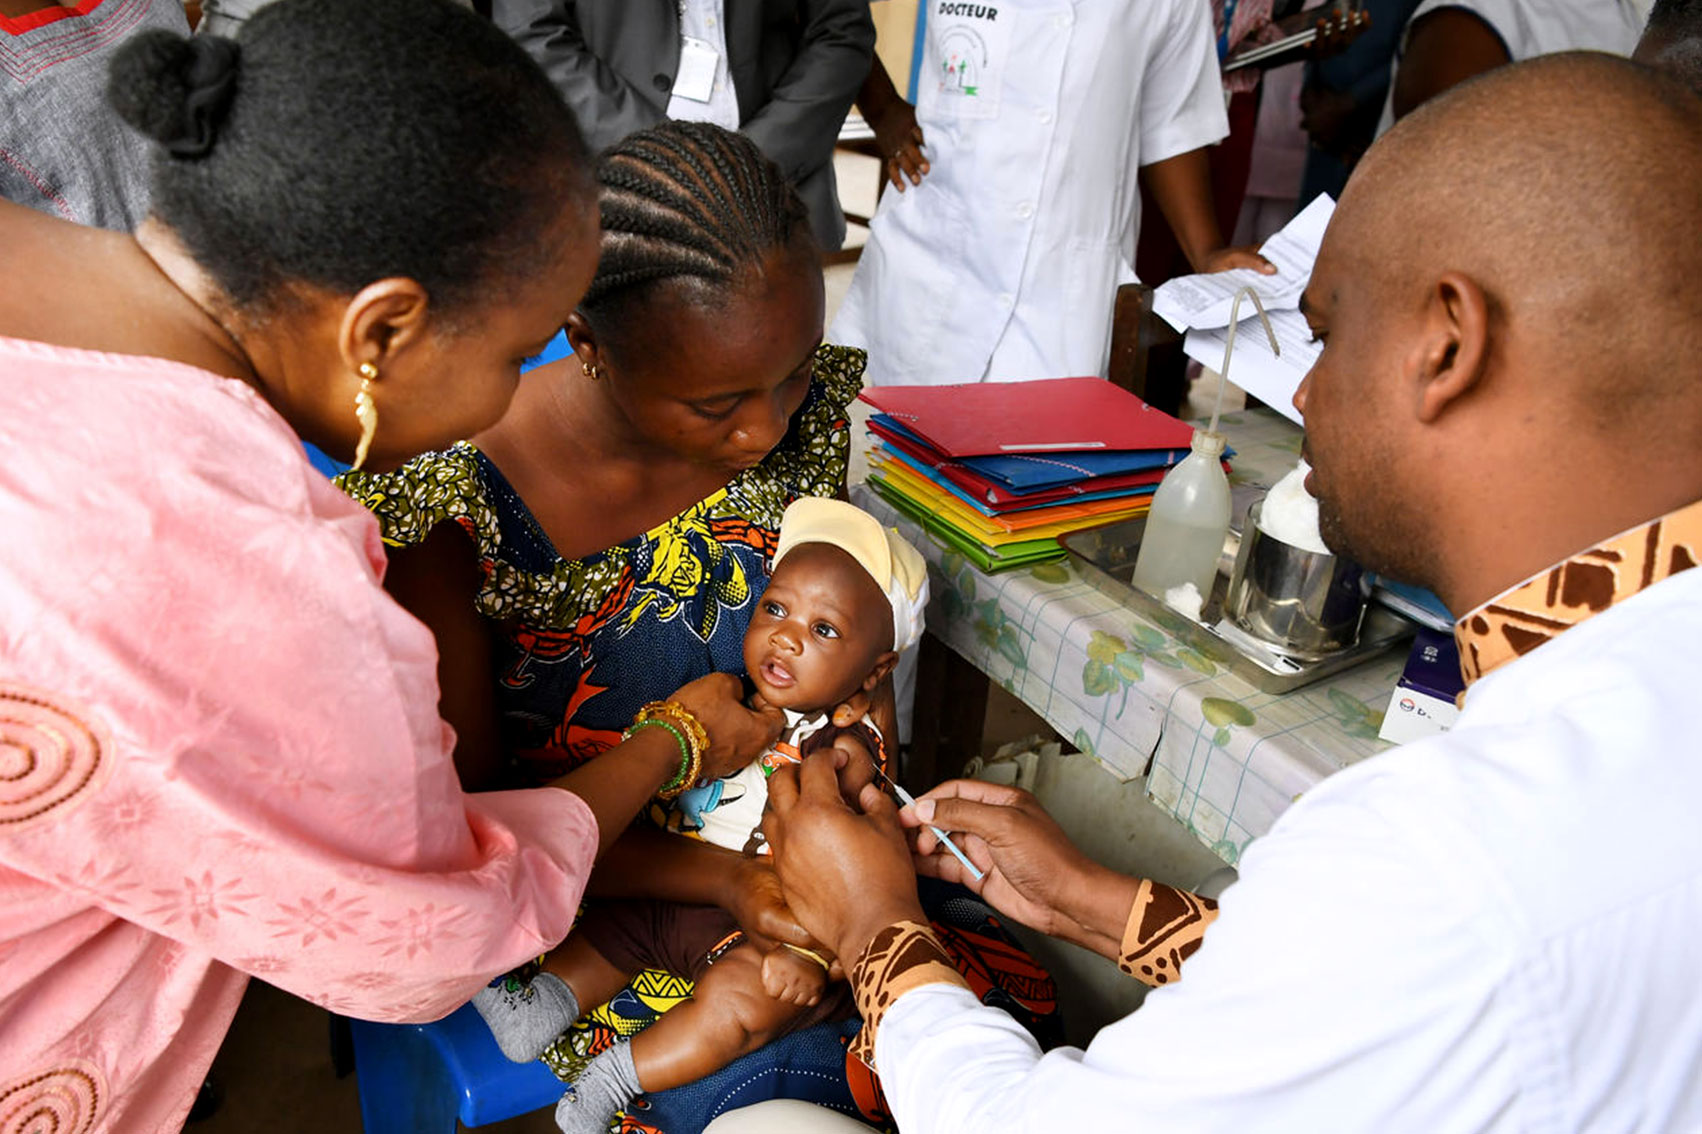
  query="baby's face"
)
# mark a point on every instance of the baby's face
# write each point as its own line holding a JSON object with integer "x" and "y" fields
{"x": 818, "y": 630}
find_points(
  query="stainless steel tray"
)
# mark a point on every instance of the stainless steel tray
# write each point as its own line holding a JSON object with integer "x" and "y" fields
{"x": 1106, "y": 557}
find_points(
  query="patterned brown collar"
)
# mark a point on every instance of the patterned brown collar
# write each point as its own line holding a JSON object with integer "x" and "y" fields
{"x": 1519, "y": 620}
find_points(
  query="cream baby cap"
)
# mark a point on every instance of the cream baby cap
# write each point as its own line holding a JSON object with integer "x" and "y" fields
{"x": 896, "y": 567}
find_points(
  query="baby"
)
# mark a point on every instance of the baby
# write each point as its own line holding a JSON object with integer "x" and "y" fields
{"x": 844, "y": 597}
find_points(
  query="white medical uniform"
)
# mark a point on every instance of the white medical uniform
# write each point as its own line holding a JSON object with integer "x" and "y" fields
{"x": 1529, "y": 28}
{"x": 1490, "y": 930}
{"x": 1004, "y": 263}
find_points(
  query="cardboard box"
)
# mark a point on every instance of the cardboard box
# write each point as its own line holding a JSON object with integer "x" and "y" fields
{"x": 1423, "y": 702}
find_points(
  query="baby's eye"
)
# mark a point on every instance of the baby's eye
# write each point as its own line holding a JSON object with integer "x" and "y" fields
{"x": 825, "y": 630}
{"x": 773, "y": 610}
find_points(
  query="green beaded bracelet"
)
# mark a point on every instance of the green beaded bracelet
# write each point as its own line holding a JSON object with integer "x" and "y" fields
{"x": 679, "y": 737}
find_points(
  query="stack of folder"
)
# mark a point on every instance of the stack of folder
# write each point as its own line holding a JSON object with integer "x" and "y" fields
{"x": 998, "y": 471}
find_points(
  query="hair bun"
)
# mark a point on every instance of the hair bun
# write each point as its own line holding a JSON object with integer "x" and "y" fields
{"x": 175, "y": 89}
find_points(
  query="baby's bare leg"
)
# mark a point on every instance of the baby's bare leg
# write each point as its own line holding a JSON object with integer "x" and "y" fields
{"x": 592, "y": 978}
{"x": 730, "y": 1014}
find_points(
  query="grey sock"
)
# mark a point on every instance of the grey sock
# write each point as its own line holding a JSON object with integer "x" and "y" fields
{"x": 525, "y": 1017}
{"x": 606, "y": 1085}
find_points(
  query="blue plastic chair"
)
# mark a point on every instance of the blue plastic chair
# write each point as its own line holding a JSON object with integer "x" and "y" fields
{"x": 421, "y": 1078}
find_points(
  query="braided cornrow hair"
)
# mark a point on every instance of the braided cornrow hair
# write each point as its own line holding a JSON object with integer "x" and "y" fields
{"x": 688, "y": 201}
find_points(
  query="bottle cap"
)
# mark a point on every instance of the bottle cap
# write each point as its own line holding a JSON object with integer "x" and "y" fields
{"x": 1209, "y": 443}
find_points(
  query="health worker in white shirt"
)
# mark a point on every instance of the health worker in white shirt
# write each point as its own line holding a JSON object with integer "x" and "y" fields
{"x": 1448, "y": 41}
{"x": 1038, "y": 116}
{"x": 1492, "y": 929}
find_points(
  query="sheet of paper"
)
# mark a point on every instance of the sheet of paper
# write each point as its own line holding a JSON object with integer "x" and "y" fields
{"x": 1203, "y": 302}
{"x": 1270, "y": 378}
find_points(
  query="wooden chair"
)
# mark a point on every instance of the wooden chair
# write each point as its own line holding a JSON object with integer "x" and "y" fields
{"x": 1135, "y": 330}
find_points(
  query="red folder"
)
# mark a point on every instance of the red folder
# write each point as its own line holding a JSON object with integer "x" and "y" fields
{"x": 1044, "y": 415}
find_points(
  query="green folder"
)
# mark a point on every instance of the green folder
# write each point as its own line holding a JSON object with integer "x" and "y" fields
{"x": 988, "y": 559}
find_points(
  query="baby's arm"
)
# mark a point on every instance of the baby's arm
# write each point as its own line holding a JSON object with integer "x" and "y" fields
{"x": 795, "y": 978}
{"x": 859, "y": 764}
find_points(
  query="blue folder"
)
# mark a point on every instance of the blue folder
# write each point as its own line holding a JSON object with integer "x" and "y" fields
{"x": 1032, "y": 472}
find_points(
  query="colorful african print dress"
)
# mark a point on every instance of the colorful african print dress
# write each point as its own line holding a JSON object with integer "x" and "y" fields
{"x": 584, "y": 643}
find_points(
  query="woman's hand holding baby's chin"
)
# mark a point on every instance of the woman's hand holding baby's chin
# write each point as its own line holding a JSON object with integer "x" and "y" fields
{"x": 737, "y": 735}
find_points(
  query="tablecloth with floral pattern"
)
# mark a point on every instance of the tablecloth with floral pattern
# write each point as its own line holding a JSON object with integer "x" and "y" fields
{"x": 1226, "y": 759}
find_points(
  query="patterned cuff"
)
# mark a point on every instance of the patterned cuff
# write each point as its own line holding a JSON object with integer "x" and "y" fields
{"x": 897, "y": 959}
{"x": 1165, "y": 927}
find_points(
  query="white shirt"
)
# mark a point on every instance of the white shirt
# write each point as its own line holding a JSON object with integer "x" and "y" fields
{"x": 1494, "y": 929}
{"x": 1529, "y": 28}
{"x": 1004, "y": 263}
{"x": 702, "y": 27}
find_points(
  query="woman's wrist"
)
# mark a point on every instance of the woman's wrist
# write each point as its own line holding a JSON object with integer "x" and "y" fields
{"x": 689, "y": 735}
{"x": 729, "y": 882}
{"x": 655, "y": 751}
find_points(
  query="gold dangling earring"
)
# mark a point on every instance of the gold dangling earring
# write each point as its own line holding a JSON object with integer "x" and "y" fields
{"x": 592, "y": 370}
{"x": 366, "y": 412}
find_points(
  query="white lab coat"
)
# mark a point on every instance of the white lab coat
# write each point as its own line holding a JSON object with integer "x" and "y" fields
{"x": 1004, "y": 263}
{"x": 1488, "y": 930}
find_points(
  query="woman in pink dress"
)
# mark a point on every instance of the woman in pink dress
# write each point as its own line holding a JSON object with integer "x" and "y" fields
{"x": 219, "y": 746}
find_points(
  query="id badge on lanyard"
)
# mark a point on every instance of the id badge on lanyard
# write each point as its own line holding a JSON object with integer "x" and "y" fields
{"x": 695, "y": 78}
{"x": 965, "y": 58}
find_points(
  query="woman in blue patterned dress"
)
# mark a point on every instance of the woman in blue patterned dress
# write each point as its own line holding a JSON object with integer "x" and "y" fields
{"x": 614, "y": 527}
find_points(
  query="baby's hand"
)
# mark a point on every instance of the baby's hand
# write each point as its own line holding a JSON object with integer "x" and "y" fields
{"x": 792, "y": 977}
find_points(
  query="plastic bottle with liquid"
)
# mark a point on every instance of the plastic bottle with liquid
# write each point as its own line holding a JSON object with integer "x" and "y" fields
{"x": 1188, "y": 523}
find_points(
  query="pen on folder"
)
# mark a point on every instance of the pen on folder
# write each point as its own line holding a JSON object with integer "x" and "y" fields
{"x": 1048, "y": 446}
{"x": 909, "y": 800}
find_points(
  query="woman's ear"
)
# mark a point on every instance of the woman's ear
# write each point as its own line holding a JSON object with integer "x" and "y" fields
{"x": 383, "y": 319}
{"x": 582, "y": 338}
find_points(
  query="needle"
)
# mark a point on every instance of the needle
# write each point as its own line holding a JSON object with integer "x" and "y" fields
{"x": 909, "y": 800}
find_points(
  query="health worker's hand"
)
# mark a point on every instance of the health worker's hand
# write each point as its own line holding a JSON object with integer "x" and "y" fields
{"x": 845, "y": 869}
{"x": 1034, "y": 873}
{"x": 737, "y": 735}
{"x": 1247, "y": 256}
{"x": 900, "y": 139}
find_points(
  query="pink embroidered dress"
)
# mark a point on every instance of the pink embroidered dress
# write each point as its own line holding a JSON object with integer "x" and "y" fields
{"x": 219, "y": 752}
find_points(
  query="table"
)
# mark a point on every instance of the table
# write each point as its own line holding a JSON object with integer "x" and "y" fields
{"x": 1226, "y": 759}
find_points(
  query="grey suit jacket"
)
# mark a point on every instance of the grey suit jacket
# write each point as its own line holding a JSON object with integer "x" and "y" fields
{"x": 795, "y": 65}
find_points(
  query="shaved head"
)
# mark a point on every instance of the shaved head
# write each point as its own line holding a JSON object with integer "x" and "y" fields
{"x": 1509, "y": 303}
{"x": 1570, "y": 189}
